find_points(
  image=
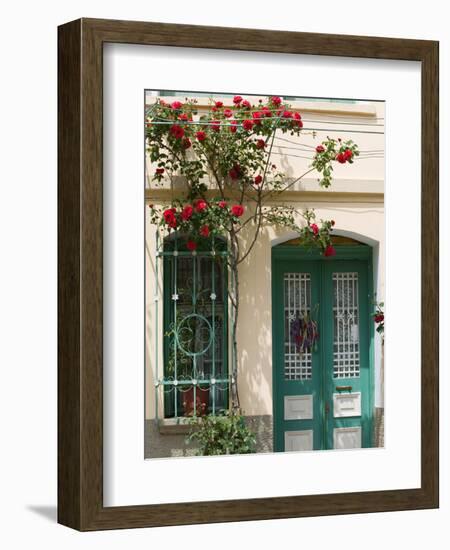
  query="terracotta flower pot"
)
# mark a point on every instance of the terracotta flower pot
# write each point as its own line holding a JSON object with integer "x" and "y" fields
{"x": 202, "y": 400}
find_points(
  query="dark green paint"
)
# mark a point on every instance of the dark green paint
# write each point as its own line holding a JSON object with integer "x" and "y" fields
{"x": 322, "y": 385}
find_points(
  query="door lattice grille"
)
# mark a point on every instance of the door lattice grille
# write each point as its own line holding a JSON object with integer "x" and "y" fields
{"x": 346, "y": 325}
{"x": 297, "y": 302}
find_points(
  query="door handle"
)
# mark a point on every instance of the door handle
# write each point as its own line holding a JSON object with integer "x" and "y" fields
{"x": 344, "y": 388}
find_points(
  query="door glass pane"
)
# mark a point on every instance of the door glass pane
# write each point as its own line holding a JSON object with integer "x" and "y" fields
{"x": 297, "y": 304}
{"x": 346, "y": 325}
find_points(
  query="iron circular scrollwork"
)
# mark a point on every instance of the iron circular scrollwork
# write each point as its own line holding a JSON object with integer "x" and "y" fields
{"x": 192, "y": 329}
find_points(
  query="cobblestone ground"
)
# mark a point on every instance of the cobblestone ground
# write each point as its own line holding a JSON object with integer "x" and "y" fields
{"x": 164, "y": 445}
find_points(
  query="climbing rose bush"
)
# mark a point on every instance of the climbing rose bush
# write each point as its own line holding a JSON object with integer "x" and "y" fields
{"x": 378, "y": 317}
{"x": 230, "y": 144}
{"x": 328, "y": 152}
{"x": 223, "y": 156}
{"x": 230, "y": 147}
{"x": 199, "y": 218}
{"x": 203, "y": 220}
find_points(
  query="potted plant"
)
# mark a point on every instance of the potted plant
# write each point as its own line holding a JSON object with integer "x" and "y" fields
{"x": 192, "y": 393}
{"x": 223, "y": 434}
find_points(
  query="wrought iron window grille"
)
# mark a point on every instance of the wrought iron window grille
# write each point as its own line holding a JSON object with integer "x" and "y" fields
{"x": 193, "y": 378}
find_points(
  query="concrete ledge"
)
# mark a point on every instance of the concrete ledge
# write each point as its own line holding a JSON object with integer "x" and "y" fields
{"x": 358, "y": 110}
{"x": 174, "y": 426}
{"x": 352, "y": 190}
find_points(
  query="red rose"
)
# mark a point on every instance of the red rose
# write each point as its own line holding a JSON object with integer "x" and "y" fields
{"x": 257, "y": 117}
{"x": 379, "y": 318}
{"x": 247, "y": 124}
{"x": 228, "y": 113}
{"x": 340, "y": 157}
{"x": 201, "y": 205}
{"x": 177, "y": 131}
{"x": 170, "y": 218}
{"x": 159, "y": 170}
{"x": 222, "y": 204}
{"x": 260, "y": 144}
{"x": 246, "y": 104}
{"x": 187, "y": 212}
{"x": 298, "y": 120}
{"x": 314, "y": 228}
{"x": 215, "y": 125}
{"x": 237, "y": 99}
{"x": 204, "y": 231}
{"x": 233, "y": 126}
{"x": 169, "y": 213}
{"x": 191, "y": 245}
{"x": 258, "y": 179}
{"x": 186, "y": 143}
{"x": 320, "y": 149}
{"x": 237, "y": 210}
{"x": 235, "y": 172}
{"x": 176, "y": 105}
{"x": 275, "y": 100}
{"x": 183, "y": 116}
{"x": 219, "y": 104}
{"x": 200, "y": 135}
{"x": 329, "y": 251}
{"x": 266, "y": 111}
{"x": 287, "y": 114}
{"x": 348, "y": 153}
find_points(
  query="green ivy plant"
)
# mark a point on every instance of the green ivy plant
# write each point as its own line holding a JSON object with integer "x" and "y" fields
{"x": 224, "y": 434}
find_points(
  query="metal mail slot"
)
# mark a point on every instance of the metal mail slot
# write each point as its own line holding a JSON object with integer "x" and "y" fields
{"x": 344, "y": 388}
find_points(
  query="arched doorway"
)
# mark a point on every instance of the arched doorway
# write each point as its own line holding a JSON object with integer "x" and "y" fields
{"x": 322, "y": 346}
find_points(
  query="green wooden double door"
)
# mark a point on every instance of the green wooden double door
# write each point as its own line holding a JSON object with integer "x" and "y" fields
{"x": 323, "y": 394}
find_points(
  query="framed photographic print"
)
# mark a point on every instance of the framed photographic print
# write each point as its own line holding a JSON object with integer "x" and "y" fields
{"x": 239, "y": 210}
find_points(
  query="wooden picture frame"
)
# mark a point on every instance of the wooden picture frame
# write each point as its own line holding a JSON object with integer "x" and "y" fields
{"x": 80, "y": 272}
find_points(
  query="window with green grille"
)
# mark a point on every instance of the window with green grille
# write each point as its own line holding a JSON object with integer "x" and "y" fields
{"x": 195, "y": 337}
